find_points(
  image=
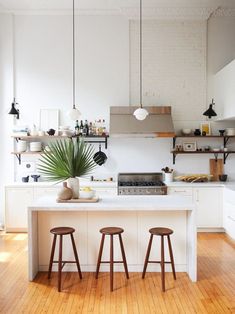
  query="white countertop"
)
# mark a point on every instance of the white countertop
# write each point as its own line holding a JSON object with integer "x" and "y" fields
{"x": 117, "y": 203}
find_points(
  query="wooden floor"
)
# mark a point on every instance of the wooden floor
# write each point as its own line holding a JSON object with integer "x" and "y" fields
{"x": 213, "y": 293}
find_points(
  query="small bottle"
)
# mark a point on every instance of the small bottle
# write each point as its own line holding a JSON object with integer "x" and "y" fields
{"x": 91, "y": 129}
{"x": 86, "y": 126}
{"x": 77, "y": 130}
{"x": 81, "y": 127}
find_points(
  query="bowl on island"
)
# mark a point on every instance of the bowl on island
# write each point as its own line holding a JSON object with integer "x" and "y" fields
{"x": 86, "y": 193}
{"x": 186, "y": 131}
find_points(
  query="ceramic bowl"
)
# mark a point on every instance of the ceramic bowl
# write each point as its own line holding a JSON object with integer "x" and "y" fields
{"x": 223, "y": 177}
{"x": 186, "y": 131}
{"x": 87, "y": 194}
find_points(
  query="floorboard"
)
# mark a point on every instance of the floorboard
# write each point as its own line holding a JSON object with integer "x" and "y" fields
{"x": 213, "y": 293}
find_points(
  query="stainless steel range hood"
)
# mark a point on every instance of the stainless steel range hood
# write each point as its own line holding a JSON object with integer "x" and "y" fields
{"x": 158, "y": 122}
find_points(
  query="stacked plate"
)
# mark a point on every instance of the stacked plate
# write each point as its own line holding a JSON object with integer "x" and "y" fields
{"x": 230, "y": 131}
{"x": 21, "y": 146}
{"x": 35, "y": 146}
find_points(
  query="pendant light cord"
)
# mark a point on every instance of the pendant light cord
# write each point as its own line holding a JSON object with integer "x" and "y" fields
{"x": 141, "y": 105}
{"x": 73, "y": 56}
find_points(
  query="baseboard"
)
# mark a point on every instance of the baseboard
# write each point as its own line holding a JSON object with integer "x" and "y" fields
{"x": 199, "y": 229}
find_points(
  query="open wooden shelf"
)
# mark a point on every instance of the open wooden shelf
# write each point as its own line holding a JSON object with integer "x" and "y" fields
{"x": 225, "y": 139}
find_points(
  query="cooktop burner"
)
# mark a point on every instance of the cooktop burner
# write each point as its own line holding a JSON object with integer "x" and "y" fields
{"x": 141, "y": 184}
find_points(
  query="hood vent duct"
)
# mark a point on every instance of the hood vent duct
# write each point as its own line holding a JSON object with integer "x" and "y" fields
{"x": 158, "y": 123}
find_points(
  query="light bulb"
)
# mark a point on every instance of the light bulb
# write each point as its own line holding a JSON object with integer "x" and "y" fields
{"x": 74, "y": 114}
{"x": 140, "y": 113}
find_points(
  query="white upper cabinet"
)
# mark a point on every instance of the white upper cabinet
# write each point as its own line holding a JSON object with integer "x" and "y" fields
{"x": 224, "y": 91}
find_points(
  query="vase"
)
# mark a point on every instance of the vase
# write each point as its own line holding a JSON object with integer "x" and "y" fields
{"x": 73, "y": 184}
{"x": 168, "y": 177}
{"x": 65, "y": 193}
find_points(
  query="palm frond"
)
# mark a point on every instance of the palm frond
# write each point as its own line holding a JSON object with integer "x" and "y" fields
{"x": 65, "y": 159}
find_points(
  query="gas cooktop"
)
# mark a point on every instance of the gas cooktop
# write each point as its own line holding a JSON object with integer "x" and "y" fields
{"x": 141, "y": 184}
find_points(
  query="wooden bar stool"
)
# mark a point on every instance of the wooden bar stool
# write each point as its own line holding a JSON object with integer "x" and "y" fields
{"x": 111, "y": 231}
{"x": 160, "y": 232}
{"x": 61, "y": 231}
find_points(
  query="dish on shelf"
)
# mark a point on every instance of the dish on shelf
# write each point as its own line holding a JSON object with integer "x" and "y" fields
{"x": 186, "y": 131}
{"x": 195, "y": 178}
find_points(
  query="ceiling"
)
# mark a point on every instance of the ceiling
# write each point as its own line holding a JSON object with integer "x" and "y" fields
{"x": 126, "y": 7}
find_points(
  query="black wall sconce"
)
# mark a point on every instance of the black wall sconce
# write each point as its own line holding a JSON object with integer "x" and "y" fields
{"x": 13, "y": 110}
{"x": 210, "y": 112}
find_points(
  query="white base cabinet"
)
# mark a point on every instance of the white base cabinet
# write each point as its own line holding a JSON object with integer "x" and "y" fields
{"x": 209, "y": 201}
{"x": 16, "y": 203}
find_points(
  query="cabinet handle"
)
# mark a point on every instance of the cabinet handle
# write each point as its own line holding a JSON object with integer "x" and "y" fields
{"x": 231, "y": 218}
{"x": 182, "y": 191}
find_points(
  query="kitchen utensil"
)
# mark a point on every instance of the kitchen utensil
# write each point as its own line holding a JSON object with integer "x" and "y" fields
{"x": 51, "y": 132}
{"x": 216, "y": 168}
{"x": 186, "y": 131}
{"x": 221, "y": 132}
{"x": 100, "y": 157}
{"x": 223, "y": 177}
{"x": 25, "y": 179}
{"x": 35, "y": 177}
{"x": 197, "y": 132}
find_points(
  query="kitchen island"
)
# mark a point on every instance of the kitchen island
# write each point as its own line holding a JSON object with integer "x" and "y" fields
{"x": 135, "y": 214}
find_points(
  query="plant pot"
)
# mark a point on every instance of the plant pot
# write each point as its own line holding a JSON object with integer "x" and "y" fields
{"x": 73, "y": 184}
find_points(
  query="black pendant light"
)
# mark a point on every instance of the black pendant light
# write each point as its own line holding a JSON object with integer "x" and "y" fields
{"x": 74, "y": 113}
{"x": 210, "y": 111}
{"x": 13, "y": 110}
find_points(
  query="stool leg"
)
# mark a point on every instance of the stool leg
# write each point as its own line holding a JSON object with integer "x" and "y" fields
{"x": 111, "y": 262}
{"x": 123, "y": 256}
{"x": 99, "y": 256}
{"x": 162, "y": 264}
{"x": 171, "y": 256}
{"x": 60, "y": 263}
{"x": 76, "y": 255}
{"x": 147, "y": 256}
{"x": 52, "y": 256}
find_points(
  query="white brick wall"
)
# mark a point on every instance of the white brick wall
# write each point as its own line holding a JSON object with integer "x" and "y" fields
{"x": 174, "y": 66}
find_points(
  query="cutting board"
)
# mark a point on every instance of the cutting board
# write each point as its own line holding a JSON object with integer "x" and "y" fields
{"x": 216, "y": 168}
{"x": 79, "y": 200}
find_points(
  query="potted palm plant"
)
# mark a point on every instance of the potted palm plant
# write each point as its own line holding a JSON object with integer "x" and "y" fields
{"x": 67, "y": 159}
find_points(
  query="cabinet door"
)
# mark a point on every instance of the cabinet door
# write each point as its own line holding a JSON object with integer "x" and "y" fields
{"x": 209, "y": 207}
{"x": 16, "y": 204}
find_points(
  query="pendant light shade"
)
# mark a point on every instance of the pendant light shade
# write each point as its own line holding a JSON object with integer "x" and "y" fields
{"x": 140, "y": 113}
{"x": 13, "y": 110}
{"x": 210, "y": 111}
{"x": 74, "y": 114}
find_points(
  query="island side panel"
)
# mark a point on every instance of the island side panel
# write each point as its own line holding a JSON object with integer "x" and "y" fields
{"x": 50, "y": 219}
{"x": 33, "y": 266}
{"x": 175, "y": 220}
{"x": 192, "y": 245}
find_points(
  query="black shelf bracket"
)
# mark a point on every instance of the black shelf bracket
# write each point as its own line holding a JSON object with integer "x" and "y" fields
{"x": 18, "y": 156}
{"x": 225, "y": 157}
{"x": 174, "y": 157}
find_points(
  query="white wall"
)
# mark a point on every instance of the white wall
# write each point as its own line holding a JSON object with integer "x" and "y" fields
{"x": 174, "y": 73}
{"x": 6, "y": 94}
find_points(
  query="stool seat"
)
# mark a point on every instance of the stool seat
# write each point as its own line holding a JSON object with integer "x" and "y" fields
{"x": 62, "y": 230}
{"x": 160, "y": 231}
{"x": 111, "y": 230}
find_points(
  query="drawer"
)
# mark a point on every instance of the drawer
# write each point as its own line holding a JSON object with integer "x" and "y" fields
{"x": 180, "y": 191}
